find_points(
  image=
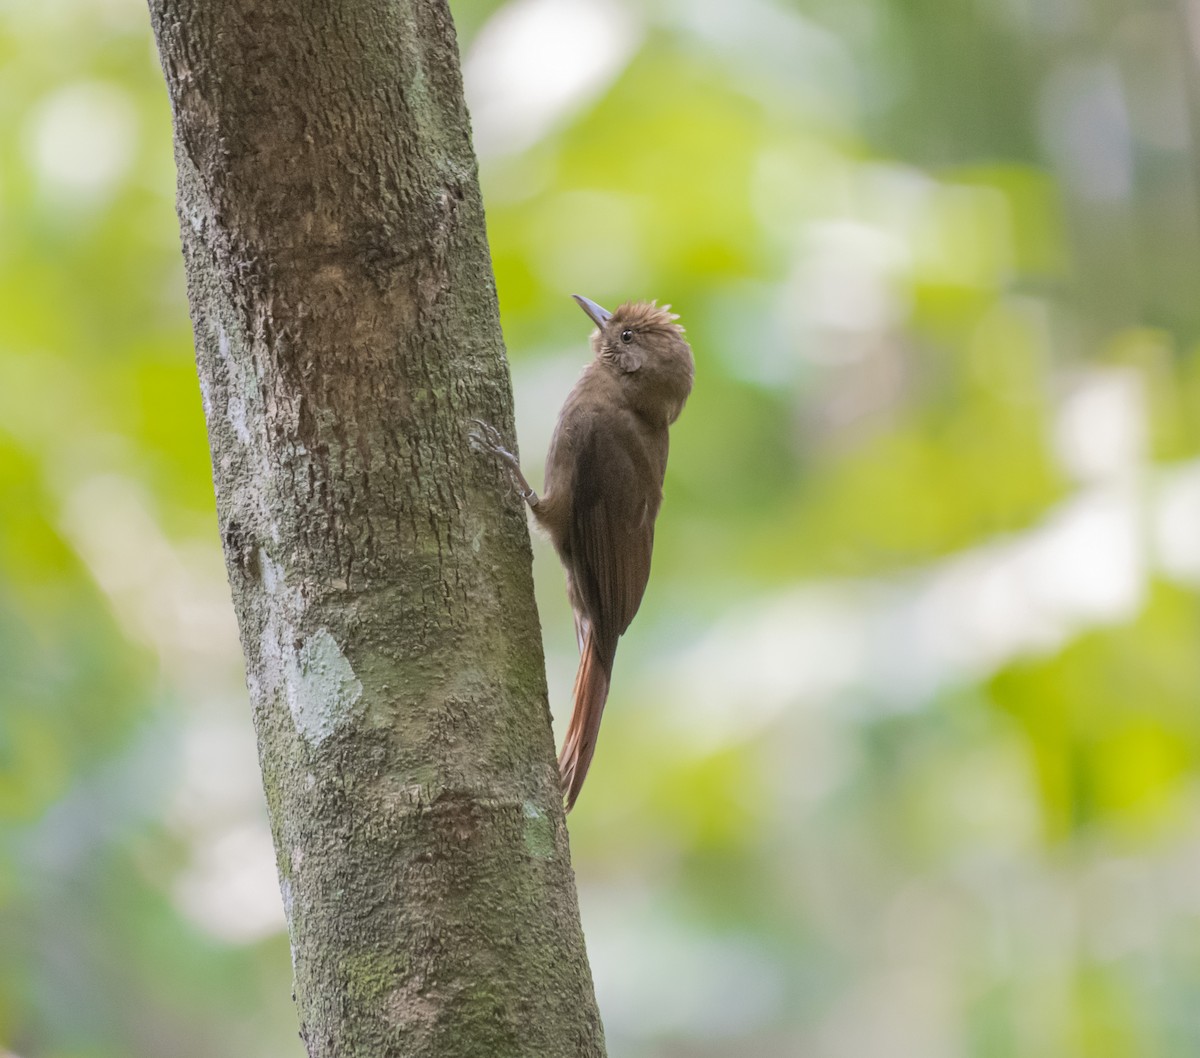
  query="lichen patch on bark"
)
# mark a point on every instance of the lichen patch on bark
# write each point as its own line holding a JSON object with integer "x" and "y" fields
{"x": 235, "y": 409}
{"x": 322, "y": 687}
{"x": 538, "y": 832}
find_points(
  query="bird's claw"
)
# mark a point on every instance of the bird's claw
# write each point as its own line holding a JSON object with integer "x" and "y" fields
{"x": 491, "y": 441}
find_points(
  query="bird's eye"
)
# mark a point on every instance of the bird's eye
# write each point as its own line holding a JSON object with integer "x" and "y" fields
{"x": 627, "y": 336}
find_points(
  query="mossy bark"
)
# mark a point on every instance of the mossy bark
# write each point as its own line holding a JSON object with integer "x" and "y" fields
{"x": 346, "y": 332}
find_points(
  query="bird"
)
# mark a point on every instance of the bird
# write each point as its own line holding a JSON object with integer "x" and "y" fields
{"x": 602, "y": 493}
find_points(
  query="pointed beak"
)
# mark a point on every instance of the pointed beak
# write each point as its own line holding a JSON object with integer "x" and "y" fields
{"x": 597, "y": 315}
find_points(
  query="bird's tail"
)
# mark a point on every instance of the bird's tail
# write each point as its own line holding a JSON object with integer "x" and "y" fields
{"x": 591, "y": 692}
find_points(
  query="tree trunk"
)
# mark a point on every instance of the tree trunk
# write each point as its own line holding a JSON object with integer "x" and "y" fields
{"x": 346, "y": 331}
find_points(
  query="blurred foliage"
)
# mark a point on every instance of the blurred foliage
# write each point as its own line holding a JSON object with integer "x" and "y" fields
{"x": 902, "y": 751}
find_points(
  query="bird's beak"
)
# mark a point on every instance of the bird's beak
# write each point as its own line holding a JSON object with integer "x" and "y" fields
{"x": 597, "y": 315}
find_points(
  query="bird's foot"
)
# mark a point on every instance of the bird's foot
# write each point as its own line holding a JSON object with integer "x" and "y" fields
{"x": 488, "y": 439}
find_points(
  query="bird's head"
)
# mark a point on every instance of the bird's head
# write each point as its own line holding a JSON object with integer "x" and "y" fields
{"x": 645, "y": 347}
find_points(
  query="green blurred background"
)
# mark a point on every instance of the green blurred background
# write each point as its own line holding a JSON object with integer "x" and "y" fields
{"x": 903, "y": 750}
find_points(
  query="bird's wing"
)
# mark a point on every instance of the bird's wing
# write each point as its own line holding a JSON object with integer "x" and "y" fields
{"x": 616, "y": 499}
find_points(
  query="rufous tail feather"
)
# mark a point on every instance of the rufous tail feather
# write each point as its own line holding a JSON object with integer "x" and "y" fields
{"x": 591, "y": 692}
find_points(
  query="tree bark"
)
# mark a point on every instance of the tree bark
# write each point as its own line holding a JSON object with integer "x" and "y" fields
{"x": 346, "y": 331}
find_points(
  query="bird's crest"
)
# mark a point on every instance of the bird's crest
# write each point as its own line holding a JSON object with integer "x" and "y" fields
{"x": 648, "y": 316}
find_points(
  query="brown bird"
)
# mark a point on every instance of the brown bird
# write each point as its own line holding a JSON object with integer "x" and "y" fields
{"x": 604, "y": 476}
